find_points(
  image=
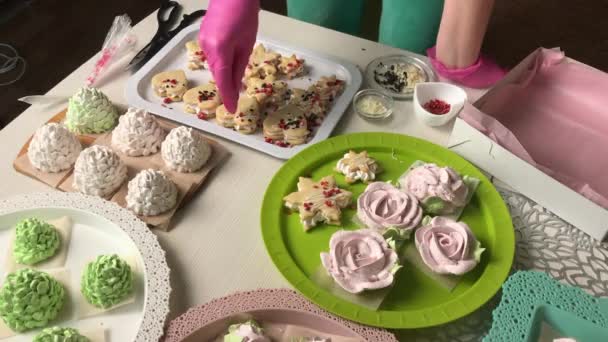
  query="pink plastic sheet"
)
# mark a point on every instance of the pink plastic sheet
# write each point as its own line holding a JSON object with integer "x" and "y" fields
{"x": 554, "y": 115}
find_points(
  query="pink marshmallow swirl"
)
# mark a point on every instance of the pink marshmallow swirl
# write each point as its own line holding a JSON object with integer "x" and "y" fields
{"x": 447, "y": 246}
{"x": 360, "y": 260}
{"x": 430, "y": 181}
{"x": 382, "y": 206}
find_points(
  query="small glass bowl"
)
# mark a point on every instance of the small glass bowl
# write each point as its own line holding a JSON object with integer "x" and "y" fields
{"x": 387, "y": 101}
{"x": 428, "y": 74}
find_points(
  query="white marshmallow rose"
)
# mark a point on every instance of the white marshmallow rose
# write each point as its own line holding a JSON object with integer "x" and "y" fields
{"x": 137, "y": 134}
{"x": 151, "y": 193}
{"x": 53, "y": 148}
{"x": 184, "y": 150}
{"x": 98, "y": 171}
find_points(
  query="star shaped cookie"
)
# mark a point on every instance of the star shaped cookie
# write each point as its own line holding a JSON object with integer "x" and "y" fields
{"x": 291, "y": 67}
{"x": 318, "y": 202}
{"x": 358, "y": 166}
{"x": 288, "y": 124}
{"x": 262, "y": 64}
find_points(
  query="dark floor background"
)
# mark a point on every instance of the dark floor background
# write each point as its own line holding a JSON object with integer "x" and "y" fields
{"x": 56, "y": 36}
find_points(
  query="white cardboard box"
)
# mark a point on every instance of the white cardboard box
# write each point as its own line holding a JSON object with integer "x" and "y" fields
{"x": 525, "y": 178}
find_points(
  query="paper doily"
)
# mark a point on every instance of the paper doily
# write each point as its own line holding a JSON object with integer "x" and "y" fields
{"x": 525, "y": 291}
{"x": 158, "y": 288}
{"x": 241, "y": 302}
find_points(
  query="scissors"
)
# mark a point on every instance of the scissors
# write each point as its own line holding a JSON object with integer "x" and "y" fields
{"x": 167, "y": 15}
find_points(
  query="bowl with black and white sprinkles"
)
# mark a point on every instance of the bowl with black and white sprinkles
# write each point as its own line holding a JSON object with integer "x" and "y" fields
{"x": 397, "y": 75}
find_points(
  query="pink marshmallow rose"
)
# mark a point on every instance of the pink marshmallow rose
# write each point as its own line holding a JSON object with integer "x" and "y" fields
{"x": 440, "y": 190}
{"x": 447, "y": 246}
{"x": 383, "y": 206}
{"x": 360, "y": 260}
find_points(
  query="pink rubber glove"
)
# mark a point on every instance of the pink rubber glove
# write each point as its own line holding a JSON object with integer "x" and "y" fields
{"x": 227, "y": 37}
{"x": 480, "y": 75}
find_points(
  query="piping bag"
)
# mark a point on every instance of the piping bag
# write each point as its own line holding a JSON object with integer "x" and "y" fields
{"x": 118, "y": 43}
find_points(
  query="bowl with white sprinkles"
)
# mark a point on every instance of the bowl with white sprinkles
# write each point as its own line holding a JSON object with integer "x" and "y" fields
{"x": 373, "y": 104}
{"x": 397, "y": 75}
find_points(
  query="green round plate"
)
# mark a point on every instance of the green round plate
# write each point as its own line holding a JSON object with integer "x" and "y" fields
{"x": 417, "y": 300}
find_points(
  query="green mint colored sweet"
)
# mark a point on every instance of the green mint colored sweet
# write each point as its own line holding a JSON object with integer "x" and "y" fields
{"x": 35, "y": 241}
{"x": 57, "y": 334}
{"x": 90, "y": 111}
{"x": 30, "y": 299}
{"x": 477, "y": 251}
{"x": 234, "y": 336}
{"x": 106, "y": 281}
{"x": 433, "y": 205}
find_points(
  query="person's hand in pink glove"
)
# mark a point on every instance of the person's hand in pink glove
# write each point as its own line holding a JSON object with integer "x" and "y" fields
{"x": 227, "y": 37}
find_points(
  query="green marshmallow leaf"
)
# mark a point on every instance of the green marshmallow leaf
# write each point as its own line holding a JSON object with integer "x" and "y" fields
{"x": 35, "y": 241}
{"x": 58, "y": 334}
{"x": 106, "y": 281}
{"x": 30, "y": 299}
{"x": 477, "y": 251}
{"x": 433, "y": 205}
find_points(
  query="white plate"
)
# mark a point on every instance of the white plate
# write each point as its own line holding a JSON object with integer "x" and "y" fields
{"x": 172, "y": 56}
{"x": 100, "y": 227}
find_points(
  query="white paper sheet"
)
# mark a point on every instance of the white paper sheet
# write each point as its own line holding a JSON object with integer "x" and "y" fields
{"x": 64, "y": 227}
{"x": 84, "y": 309}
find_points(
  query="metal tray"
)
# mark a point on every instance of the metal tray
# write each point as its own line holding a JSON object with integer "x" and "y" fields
{"x": 172, "y": 56}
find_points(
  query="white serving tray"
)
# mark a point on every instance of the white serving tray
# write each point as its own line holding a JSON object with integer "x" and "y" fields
{"x": 172, "y": 56}
{"x": 99, "y": 227}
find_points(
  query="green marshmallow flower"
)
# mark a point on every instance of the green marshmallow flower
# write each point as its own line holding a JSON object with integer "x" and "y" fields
{"x": 248, "y": 331}
{"x": 30, "y": 299}
{"x": 106, "y": 281}
{"x": 90, "y": 111}
{"x": 35, "y": 241}
{"x": 57, "y": 334}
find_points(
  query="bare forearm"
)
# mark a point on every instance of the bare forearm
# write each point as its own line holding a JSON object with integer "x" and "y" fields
{"x": 463, "y": 26}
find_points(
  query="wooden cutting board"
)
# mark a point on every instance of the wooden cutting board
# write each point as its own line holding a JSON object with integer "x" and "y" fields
{"x": 187, "y": 183}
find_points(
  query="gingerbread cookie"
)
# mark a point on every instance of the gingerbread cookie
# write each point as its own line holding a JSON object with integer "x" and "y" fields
{"x": 328, "y": 88}
{"x": 267, "y": 93}
{"x": 196, "y": 57}
{"x": 309, "y": 101}
{"x": 245, "y": 105}
{"x": 318, "y": 202}
{"x": 262, "y": 64}
{"x": 291, "y": 67}
{"x": 170, "y": 85}
{"x": 247, "y": 117}
{"x": 358, "y": 166}
{"x": 202, "y": 101}
{"x": 288, "y": 124}
{"x": 224, "y": 117}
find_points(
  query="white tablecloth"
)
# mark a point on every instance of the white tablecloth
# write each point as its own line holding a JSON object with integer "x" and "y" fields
{"x": 216, "y": 246}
